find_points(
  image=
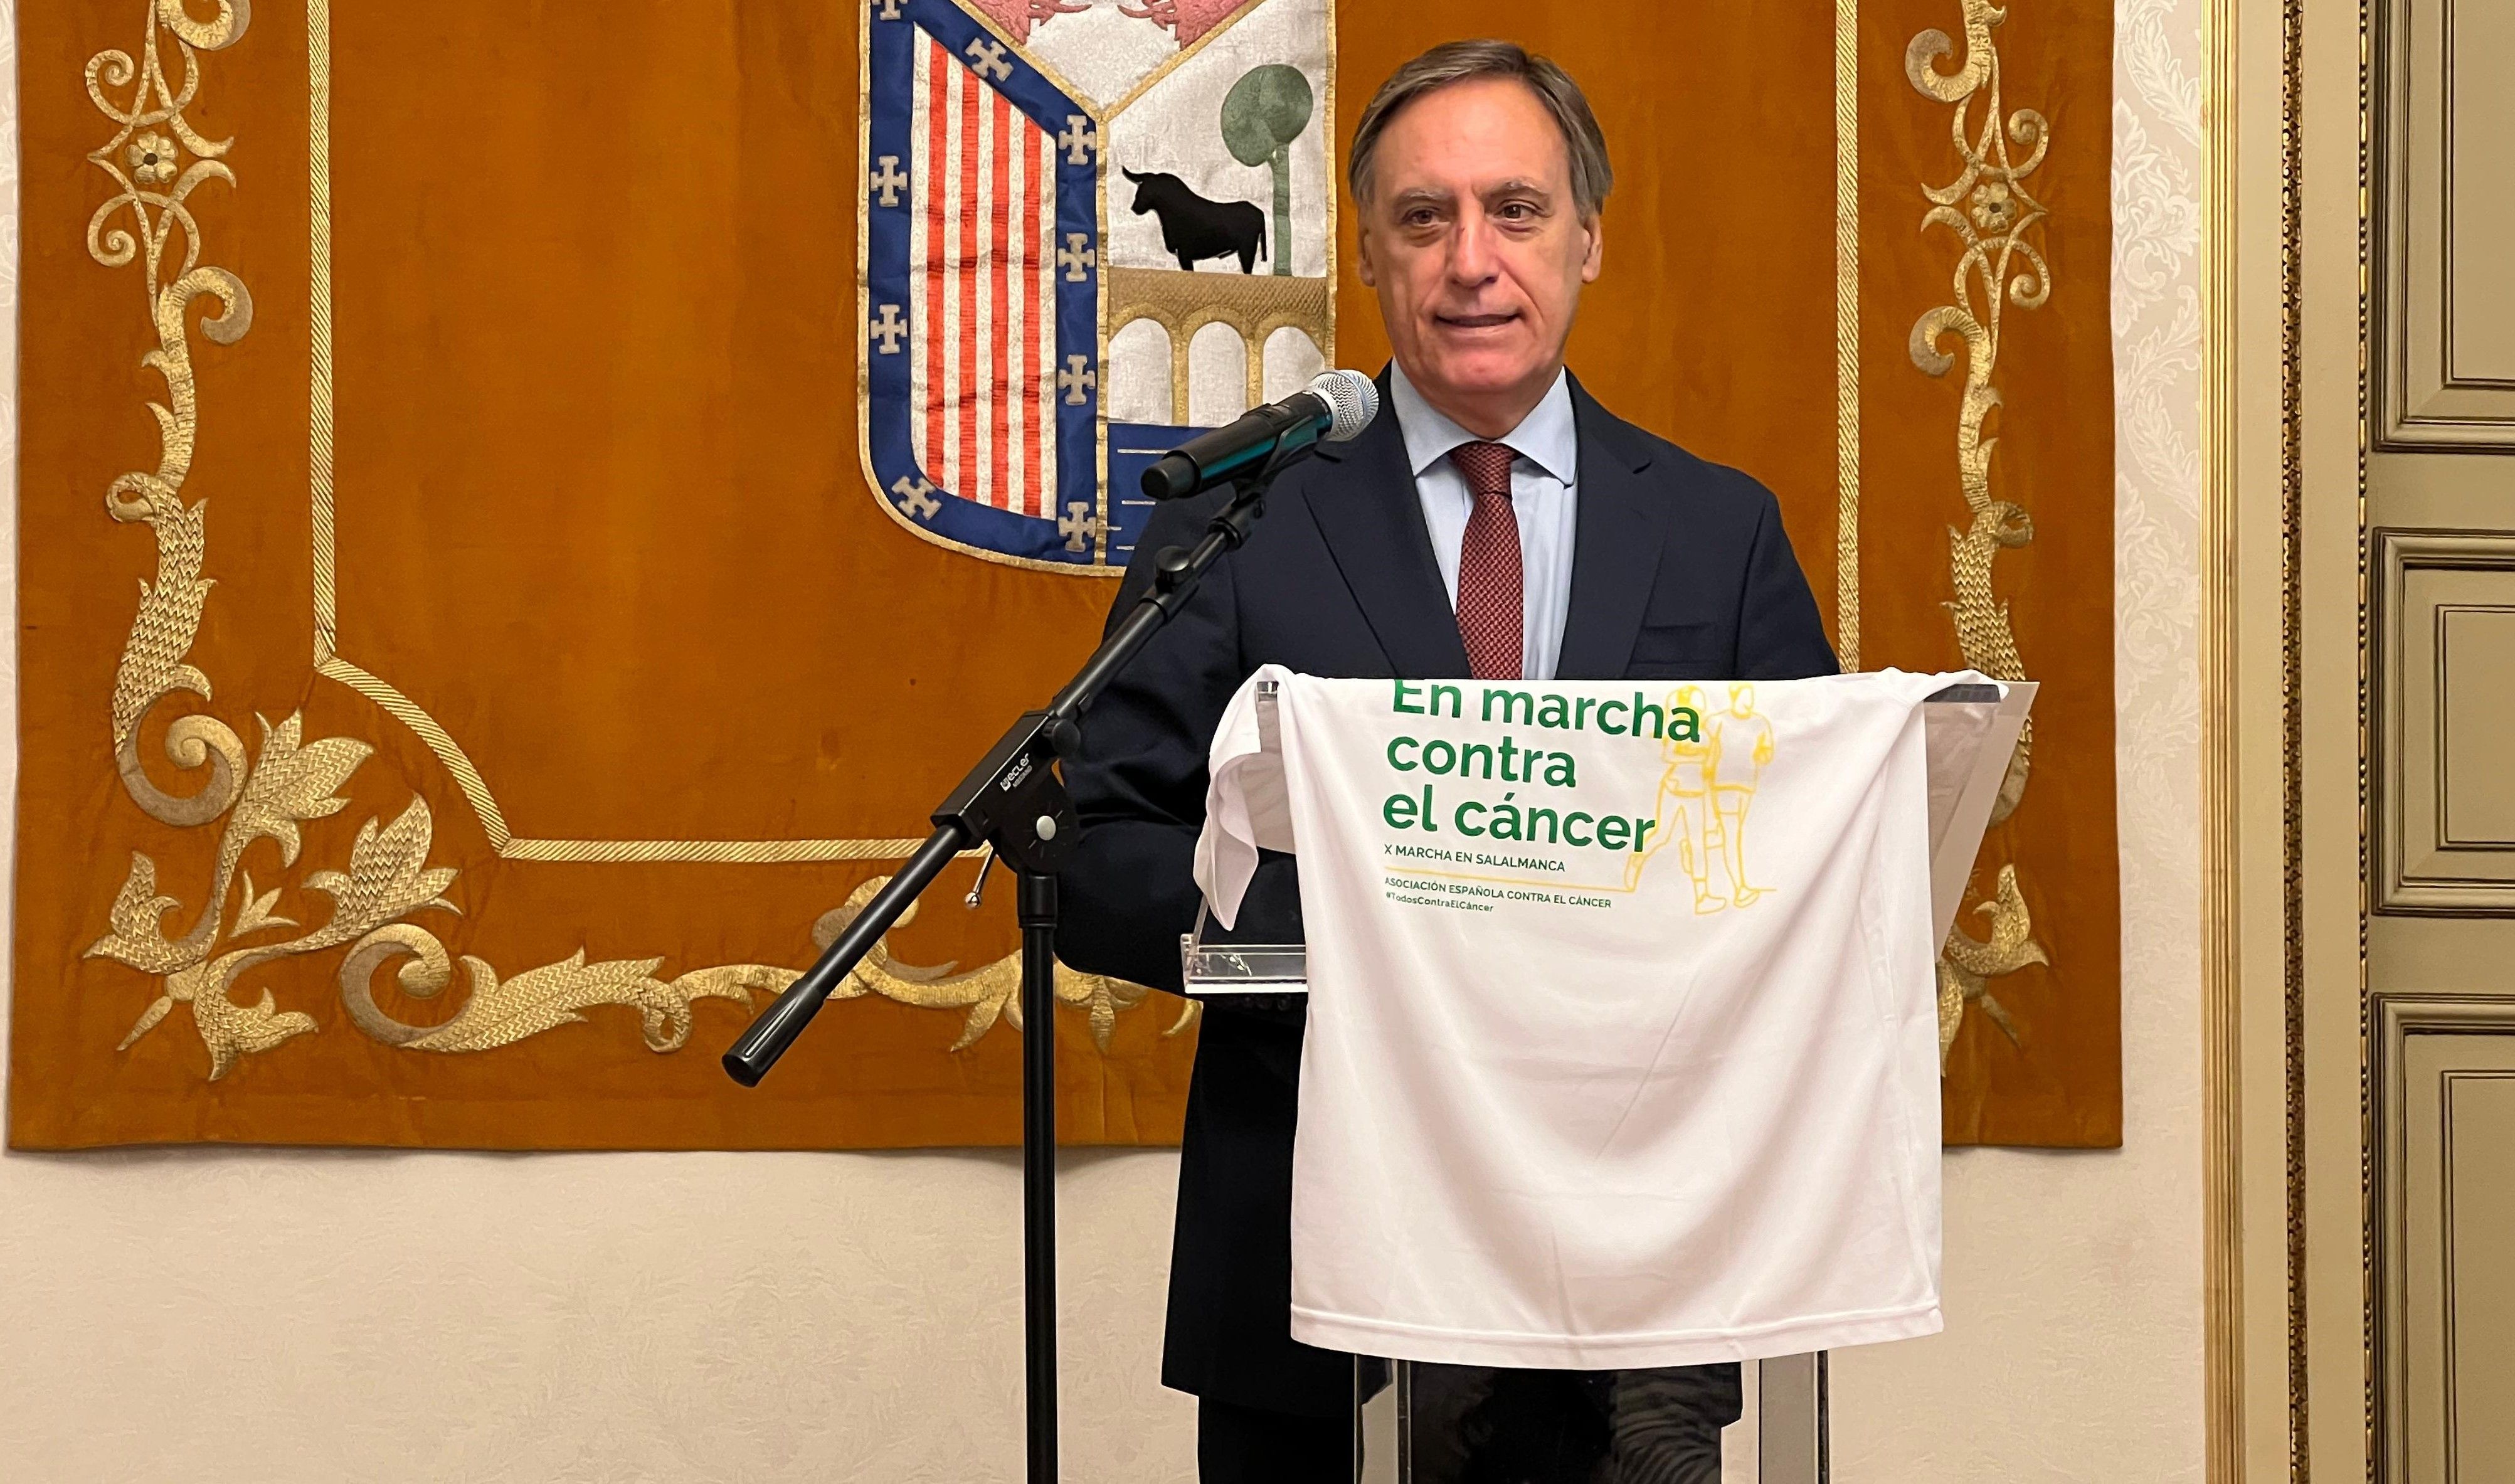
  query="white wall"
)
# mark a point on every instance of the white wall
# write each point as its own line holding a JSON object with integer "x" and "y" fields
{"x": 263, "y": 1318}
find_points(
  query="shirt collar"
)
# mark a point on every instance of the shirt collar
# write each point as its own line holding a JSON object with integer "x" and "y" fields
{"x": 1546, "y": 437}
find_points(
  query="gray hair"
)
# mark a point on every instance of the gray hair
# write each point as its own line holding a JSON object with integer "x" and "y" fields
{"x": 1456, "y": 62}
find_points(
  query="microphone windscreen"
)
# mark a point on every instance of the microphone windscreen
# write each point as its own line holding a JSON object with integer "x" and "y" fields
{"x": 1171, "y": 477}
{"x": 1352, "y": 398}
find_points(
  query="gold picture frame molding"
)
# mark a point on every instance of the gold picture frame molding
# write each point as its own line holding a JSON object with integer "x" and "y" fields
{"x": 2256, "y": 545}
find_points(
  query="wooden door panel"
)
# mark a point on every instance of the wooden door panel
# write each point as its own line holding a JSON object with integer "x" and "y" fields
{"x": 2440, "y": 511}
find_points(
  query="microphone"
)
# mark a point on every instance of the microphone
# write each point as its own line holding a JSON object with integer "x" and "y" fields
{"x": 1334, "y": 406}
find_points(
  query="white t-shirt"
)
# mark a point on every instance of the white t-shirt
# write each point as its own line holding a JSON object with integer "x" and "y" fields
{"x": 1622, "y": 1041}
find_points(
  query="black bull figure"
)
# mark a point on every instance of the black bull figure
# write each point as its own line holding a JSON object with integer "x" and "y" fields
{"x": 1194, "y": 228}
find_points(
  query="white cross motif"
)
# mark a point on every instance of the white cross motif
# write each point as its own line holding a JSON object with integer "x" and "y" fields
{"x": 1078, "y": 525}
{"x": 916, "y": 498}
{"x": 1076, "y": 256}
{"x": 886, "y": 10}
{"x": 1077, "y": 378}
{"x": 889, "y": 328}
{"x": 1079, "y": 139}
{"x": 987, "y": 59}
{"x": 887, "y": 182}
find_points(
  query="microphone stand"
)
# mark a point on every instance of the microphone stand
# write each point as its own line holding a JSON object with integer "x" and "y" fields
{"x": 1014, "y": 801}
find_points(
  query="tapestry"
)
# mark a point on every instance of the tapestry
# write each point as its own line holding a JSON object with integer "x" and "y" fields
{"x": 525, "y": 509}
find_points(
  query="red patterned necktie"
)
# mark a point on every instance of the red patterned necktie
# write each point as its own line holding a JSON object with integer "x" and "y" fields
{"x": 1489, "y": 566}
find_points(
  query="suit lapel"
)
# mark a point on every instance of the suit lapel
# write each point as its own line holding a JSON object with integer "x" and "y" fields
{"x": 1367, "y": 507}
{"x": 1618, "y": 530}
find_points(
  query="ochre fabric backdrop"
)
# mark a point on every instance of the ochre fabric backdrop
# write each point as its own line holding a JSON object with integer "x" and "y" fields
{"x": 602, "y": 567}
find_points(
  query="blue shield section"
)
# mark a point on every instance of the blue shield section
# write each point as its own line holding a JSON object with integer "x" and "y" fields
{"x": 910, "y": 491}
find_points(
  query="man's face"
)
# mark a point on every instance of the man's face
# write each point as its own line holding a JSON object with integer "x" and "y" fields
{"x": 1476, "y": 248}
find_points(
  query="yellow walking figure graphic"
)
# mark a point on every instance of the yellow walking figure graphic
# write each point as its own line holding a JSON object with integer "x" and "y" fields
{"x": 1685, "y": 804}
{"x": 1742, "y": 743}
{"x": 1704, "y": 794}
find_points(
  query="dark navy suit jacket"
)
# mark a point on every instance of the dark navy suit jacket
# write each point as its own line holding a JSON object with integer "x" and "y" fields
{"x": 1680, "y": 570}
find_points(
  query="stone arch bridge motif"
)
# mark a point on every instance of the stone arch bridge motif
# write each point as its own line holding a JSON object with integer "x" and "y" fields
{"x": 1255, "y": 304}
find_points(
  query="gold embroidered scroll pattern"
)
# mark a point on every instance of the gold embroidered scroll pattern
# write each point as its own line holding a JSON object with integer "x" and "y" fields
{"x": 986, "y": 994}
{"x": 156, "y": 160}
{"x": 1989, "y": 211}
{"x": 290, "y": 783}
{"x": 293, "y": 781}
{"x": 500, "y": 1012}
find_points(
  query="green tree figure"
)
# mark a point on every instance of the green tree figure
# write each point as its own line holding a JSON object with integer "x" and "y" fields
{"x": 1264, "y": 111}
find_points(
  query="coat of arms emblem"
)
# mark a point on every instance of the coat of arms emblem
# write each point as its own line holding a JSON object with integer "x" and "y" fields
{"x": 1089, "y": 229}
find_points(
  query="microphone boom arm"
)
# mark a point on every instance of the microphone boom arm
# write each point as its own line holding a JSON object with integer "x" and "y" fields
{"x": 1013, "y": 798}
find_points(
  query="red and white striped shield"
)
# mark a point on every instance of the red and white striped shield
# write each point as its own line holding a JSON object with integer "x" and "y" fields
{"x": 983, "y": 271}
{"x": 1031, "y": 343}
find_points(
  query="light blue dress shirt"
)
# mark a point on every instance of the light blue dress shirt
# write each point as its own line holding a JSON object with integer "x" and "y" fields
{"x": 1544, "y": 484}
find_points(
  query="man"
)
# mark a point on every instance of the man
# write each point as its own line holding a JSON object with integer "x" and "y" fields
{"x": 1493, "y": 521}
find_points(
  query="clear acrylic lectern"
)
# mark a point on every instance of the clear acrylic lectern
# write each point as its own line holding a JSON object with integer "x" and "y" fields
{"x": 1424, "y": 1424}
